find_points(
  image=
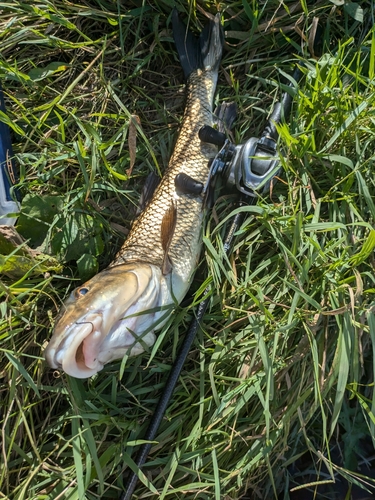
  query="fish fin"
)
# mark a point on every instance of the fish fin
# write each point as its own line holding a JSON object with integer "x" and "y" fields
{"x": 152, "y": 182}
{"x": 168, "y": 226}
{"x": 167, "y": 267}
{"x": 226, "y": 114}
{"x": 186, "y": 44}
{"x": 211, "y": 43}
{"x": 198, "y": 53}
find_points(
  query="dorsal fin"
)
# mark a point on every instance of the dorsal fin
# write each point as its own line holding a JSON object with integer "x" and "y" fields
{"x": 152, "y": 182}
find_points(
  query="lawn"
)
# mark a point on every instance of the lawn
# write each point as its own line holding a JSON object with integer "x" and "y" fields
{"x": 276, "y": 399}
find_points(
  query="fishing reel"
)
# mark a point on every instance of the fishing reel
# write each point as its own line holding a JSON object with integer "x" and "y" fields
{"x": 249, "y": 167}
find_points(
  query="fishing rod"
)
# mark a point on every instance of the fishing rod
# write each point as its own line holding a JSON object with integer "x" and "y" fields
{"x": 250, "y": 168}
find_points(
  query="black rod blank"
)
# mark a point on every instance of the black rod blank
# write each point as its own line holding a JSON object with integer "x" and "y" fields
{"x": 166, "y": 396}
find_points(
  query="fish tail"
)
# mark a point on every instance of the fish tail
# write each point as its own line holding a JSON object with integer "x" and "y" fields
{"x": 198, "y": 53}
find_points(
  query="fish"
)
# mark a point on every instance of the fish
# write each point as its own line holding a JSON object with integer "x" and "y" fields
{"x": 118, "y": 310}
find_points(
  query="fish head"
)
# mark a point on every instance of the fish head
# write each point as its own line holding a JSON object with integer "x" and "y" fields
{"x": 108, "y": 316}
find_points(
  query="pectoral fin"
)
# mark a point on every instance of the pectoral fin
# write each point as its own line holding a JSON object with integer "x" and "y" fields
{"x": 168, "y": 227}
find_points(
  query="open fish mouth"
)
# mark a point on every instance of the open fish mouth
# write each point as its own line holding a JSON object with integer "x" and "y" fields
{"x": 87, "y": 347}
{"x": 90, "y": 334}
{"x": 78, "y": 348}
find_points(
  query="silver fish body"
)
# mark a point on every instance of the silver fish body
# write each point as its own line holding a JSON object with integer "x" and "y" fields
{"x": 118, "y": 310}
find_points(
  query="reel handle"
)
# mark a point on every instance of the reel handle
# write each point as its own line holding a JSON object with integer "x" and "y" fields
{"x": 212, "y": 136}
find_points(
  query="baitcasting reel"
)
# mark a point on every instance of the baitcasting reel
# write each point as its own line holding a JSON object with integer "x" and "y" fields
{"x": 250, "y": 167}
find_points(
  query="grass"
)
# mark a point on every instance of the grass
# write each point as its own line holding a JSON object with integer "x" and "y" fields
{"x": 276, "y": 399}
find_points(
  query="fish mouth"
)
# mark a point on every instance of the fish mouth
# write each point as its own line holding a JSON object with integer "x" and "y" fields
{"x": 87, "y": 347}
{"x": 77, "y": 354}
{"x": 121, "y": 321}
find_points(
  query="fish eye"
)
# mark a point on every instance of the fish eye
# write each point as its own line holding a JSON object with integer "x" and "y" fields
{"x": 81, "y": 291}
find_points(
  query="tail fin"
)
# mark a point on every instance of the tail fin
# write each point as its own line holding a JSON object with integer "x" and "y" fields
{"x": 198, "y": 53}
